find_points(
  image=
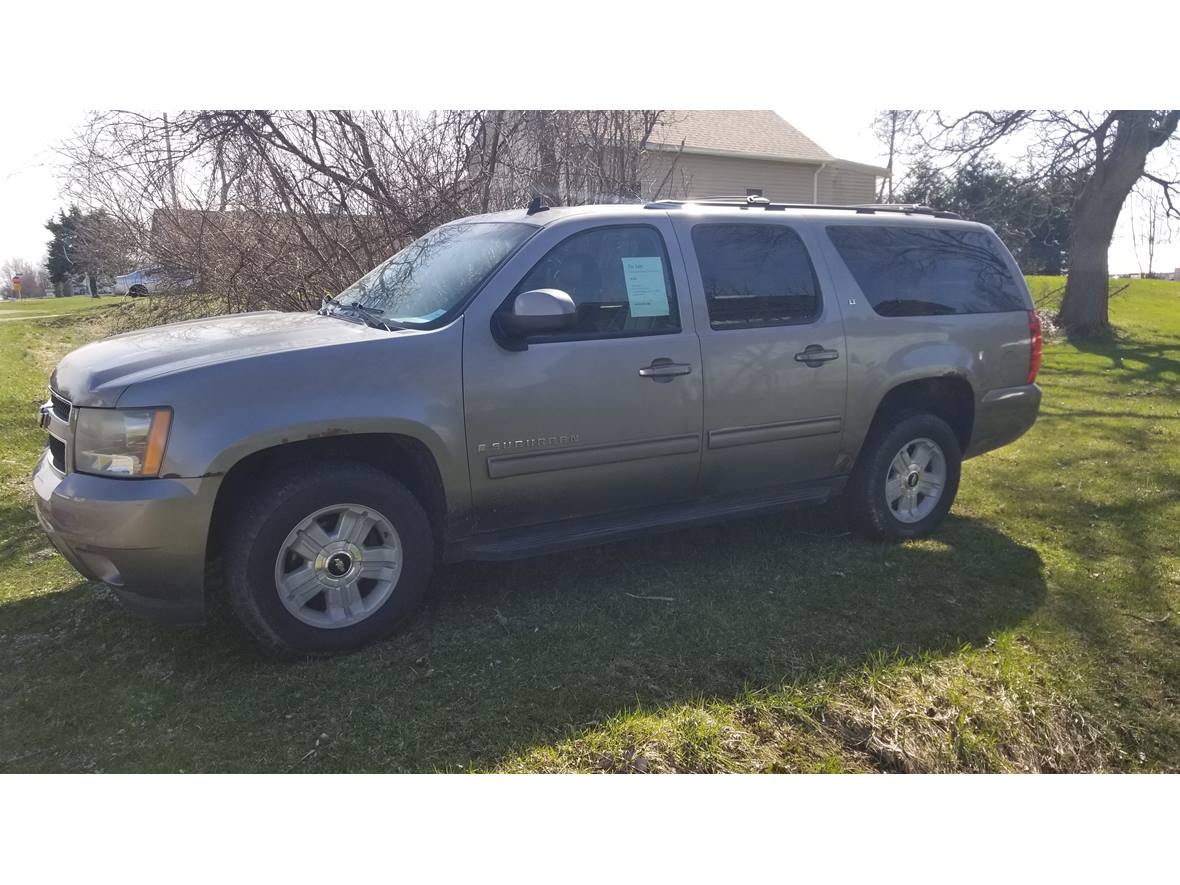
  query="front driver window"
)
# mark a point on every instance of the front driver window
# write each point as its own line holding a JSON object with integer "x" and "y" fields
{"x": 618, "y": 278}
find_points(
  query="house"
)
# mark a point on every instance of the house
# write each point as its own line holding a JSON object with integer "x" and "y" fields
{"x": 577, "y": 157}
{"x": 695, "y": 154}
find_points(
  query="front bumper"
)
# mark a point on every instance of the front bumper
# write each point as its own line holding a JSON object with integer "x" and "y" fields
{"x": 145, "y": 538}
{"x": 1003, "y": 416}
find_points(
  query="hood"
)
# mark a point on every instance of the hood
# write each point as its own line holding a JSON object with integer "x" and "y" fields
{"x": 97, "y": 374}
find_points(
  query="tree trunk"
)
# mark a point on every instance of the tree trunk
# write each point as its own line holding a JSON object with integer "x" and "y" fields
{"x": 546, "y": 184}
{"x": 1084, "y": 308}
{"x": 489, "y": 172}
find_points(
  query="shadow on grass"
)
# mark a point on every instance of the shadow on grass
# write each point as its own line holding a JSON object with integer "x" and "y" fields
{"x": 507, "y": 656}
{"x": 1156, "y": 359}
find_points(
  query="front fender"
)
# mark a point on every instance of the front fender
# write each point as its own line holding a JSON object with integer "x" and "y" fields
{"x": 402, "y": 384}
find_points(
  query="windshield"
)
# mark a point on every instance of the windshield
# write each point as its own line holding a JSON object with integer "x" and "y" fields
{"x": 428, "y": 278}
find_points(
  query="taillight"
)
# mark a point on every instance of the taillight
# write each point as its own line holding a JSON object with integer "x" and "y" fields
{"x": 1034, "y": 356}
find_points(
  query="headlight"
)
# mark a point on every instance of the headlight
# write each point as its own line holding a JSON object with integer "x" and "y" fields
{"x": 121, "y": 442}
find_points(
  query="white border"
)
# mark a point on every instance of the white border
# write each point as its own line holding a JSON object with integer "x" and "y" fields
{"x": 536, "y": 53}
{"x": 957, "y": 828}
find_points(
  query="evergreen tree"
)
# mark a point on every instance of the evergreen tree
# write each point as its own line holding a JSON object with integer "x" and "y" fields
{"x": 1030, "y": 214}
{"x": 82, "y": 242}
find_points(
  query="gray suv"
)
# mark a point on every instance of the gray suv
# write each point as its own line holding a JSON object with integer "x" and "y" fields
{"x": 533, "y": 380}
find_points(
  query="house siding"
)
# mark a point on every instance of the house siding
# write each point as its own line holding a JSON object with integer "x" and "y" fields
{"x": 842, "y": 187}
{"x": 702, "y": 175}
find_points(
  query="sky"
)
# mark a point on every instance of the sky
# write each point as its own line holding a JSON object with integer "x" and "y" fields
{"x": 29, "y": 186}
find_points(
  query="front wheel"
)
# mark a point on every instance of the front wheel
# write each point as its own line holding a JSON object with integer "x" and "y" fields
{"x": 325, "y": 559}
{"x": 905, "y": 479}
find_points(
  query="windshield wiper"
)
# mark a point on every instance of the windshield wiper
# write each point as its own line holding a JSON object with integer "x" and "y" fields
{"x": 370, "y": 315}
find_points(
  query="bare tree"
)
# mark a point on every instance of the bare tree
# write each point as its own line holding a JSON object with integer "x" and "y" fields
{"x": 889, "y": 127}
{"x": 1150, "y": 227}
{"x": 277, "y": 208}
{"x": 567, "y": 158}
{"x": 1110, "y": 148}
{"x": 272, "y": 207}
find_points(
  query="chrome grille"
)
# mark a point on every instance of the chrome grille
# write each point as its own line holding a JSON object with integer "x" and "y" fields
{"x": 55, "y": 417}
{"x": 61, "y": 407}
{"x": 57, "y": 453}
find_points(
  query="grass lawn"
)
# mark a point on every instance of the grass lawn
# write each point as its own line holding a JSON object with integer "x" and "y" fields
{"x": 40, "y": 307}
{"x": 1039, "y": 630}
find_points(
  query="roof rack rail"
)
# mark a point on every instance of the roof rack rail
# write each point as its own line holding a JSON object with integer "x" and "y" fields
{"x": 764, "y": 203}
{"x": 750, "y": 199}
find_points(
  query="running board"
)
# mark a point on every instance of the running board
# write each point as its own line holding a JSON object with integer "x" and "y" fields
{"x": 589, "y": 531}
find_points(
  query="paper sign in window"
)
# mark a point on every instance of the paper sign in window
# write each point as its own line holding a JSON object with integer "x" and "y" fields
{"x": 646, "y": 291}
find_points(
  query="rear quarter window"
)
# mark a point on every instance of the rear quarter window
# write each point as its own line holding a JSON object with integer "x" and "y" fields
{"x": 928, "y": 271}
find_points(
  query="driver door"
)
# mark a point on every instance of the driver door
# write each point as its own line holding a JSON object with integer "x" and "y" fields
{"x": 578, "y": 423}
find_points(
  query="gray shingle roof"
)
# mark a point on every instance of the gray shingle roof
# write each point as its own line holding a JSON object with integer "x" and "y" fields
{"x": 758, "y": 133}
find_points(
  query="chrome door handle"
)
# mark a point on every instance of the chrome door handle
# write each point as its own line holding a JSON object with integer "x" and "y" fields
{"x": 664, "y": 370}
{"x": 815, "y": 355}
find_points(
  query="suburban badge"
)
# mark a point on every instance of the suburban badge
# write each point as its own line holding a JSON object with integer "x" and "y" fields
{"x": 530, "y": 443}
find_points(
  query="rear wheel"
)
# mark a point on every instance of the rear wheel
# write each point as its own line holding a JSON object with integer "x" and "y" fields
{"x": 905, "y": 479}
{"x": 327, "y": 559}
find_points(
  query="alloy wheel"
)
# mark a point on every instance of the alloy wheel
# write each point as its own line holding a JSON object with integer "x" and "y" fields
{"x": 338, "y": 565}
{"x": 915, "y": 479}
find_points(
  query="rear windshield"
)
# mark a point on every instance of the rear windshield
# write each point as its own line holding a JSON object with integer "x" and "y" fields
{"x": 928, "y": 271}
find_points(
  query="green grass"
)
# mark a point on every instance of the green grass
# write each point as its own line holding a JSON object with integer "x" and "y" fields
{"x": 29, "y": 307}
{"x": 1037, "y": 631}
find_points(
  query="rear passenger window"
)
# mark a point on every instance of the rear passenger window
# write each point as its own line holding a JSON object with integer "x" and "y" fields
{"x": 755, "y": 275}
{"x": 928, "y": 271}
{"x": 618, "y": 278}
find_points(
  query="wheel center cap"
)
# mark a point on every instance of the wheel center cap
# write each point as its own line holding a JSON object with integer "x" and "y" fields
{"x": 912, "y": 480}
{"x": 339, "y": 564}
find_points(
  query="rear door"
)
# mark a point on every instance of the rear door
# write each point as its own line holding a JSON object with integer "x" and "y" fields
{"x": 604, "y": 418}
{"x": 773, "y": 354}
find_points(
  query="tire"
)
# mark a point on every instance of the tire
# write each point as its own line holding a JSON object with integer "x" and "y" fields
{"x": 362, "y": 585}
{"x": 886, "y": 502}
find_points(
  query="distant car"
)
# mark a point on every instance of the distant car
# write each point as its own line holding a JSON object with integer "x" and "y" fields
{"x": 136, "y": 283}
{"x": 146, "y": 282}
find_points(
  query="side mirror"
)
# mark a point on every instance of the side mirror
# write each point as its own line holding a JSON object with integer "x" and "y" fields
{"x": 538, "y": 312}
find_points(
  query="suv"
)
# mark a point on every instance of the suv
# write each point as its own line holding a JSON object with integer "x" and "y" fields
{"x": 527, "y": 381}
